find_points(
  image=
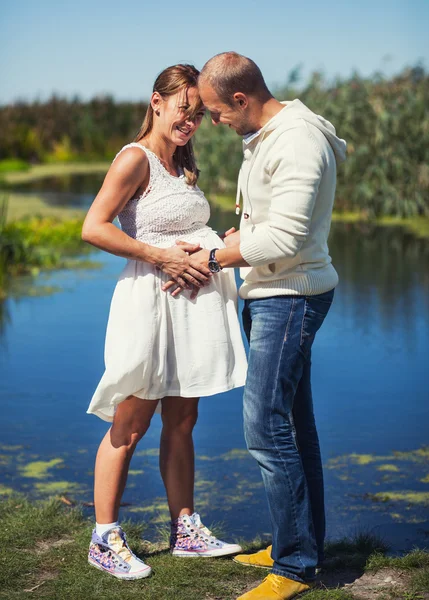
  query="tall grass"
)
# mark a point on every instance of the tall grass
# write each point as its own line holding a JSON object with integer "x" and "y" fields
{"x": 384, "y": 120}
{"x": 35, "y": 243}
{"x": 3, "y": 247}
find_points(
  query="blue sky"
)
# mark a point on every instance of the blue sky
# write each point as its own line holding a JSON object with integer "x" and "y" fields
{"x": 94, "y": 47}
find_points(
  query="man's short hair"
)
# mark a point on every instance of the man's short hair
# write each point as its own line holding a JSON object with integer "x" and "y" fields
{"x": 230, "y": 72}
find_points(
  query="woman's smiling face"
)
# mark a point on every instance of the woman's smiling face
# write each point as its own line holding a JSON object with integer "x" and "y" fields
{"x": 180, "y": 115}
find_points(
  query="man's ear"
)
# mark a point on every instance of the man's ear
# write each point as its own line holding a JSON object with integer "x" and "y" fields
{"x": 241, "y": 100}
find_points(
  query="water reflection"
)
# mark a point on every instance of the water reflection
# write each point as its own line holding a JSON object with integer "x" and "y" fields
{"x": 5, "y": 317}
{"x": 85, "y": 184}
{"x": 384, "y": 277}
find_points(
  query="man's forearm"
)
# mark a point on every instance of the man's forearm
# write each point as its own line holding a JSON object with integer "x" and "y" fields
{"x": 230, "y": 257}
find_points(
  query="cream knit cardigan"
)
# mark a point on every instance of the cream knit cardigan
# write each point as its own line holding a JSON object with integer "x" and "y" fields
{"x": 287, "y": 181}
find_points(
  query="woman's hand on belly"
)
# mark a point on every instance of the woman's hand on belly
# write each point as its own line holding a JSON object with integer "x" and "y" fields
{"x": 185, "y": 272}
{"x": 198, "y": 266}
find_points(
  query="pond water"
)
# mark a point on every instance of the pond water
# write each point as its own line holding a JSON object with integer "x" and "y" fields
{"x": 370, "y": 380}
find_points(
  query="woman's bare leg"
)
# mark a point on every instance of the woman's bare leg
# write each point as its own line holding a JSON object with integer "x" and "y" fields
{"x": 131, "y": 421}
{"x": 176, "y": 459}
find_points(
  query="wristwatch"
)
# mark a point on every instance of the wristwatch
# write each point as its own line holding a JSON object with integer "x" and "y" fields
{"x": 214, "y": 266}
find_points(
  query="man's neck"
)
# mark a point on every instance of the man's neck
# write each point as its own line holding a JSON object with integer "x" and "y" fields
{"x": 269, "y": 109}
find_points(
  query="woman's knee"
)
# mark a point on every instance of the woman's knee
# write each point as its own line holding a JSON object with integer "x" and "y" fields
{"x": 181, "y": 422}
{"x": 128, "y": 433}
{"x": 130, "y": 424}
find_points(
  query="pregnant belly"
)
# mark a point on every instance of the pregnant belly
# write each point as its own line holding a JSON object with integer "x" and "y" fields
{"x": 205, "y": 236}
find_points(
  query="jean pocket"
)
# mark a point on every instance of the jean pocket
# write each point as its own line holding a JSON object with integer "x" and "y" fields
{"x": 325, "y": 298}
{"x": 315, "y": 310}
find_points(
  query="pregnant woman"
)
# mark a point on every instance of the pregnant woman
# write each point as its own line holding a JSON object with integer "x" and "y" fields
{"x": 163, "y": 350}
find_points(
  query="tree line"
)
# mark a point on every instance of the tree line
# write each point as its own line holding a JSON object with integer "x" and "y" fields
{"x": 384, "y": 120}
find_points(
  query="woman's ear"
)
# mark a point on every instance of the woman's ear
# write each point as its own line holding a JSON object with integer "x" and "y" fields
{"x": 156, "y": 102}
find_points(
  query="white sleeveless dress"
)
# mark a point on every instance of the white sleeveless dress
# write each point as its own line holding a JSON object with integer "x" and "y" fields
{"x": 158, "y": 345}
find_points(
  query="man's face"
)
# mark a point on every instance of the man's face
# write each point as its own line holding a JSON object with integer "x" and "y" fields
{"x": 234, "y": 116}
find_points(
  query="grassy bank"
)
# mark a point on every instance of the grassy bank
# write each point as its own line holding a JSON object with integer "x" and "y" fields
{"x": 36, "y": 172}
{"x": 36, "y": 242}
{"x": 35, "y": 235}
{"x": 30, "y": 204}
{"x": 43, "y": 551}
{"x": 418, "y": 226}
{"x": 24, "y": 206}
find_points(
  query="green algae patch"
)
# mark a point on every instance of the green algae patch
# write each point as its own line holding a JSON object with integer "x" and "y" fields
{"x": 234, "y": 454}
{"x": 409, "y": 497}
{"x": 148, "y": 452}
{"x": 420, "y": 455}
{"x": 135, "y": 472}
{"x": 10, "y": 448}
{"x": 392, "y": 468}
{"x": 23, "y": 288}
{"x": 425, "y": 479}
{"x": 5, "y": 459}
{"x": 39, "y": 469}
{"x": 362, "y": 459}
{"x": 160, "y": 518}
{"x": 204, "y": 484}
{"x": 57, "y": 487}
{"x": 5, "y": 491}
{"x": 423, "y": 452}
{"x": 157, "y": 506}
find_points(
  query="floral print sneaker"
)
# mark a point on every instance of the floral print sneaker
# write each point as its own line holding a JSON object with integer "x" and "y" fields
{"x": 111, "y": 553}
{"x": 189, "y": 537}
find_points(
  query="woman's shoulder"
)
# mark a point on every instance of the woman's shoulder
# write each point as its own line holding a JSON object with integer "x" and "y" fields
{"x": 132, "y": 152}
{"x": 131, "y": 157}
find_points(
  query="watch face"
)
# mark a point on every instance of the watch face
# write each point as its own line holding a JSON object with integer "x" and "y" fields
{"x": 214, "y": 266}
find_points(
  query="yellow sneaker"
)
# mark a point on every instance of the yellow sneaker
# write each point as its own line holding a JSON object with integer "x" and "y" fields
{"x": 276, "y": 587}
{"x": 260, "y": 559}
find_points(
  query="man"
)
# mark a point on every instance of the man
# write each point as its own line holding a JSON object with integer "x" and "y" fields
{"x": 287, "y": 182}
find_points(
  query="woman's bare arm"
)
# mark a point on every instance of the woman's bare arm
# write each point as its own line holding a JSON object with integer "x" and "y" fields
{"x": 129, "y": 173}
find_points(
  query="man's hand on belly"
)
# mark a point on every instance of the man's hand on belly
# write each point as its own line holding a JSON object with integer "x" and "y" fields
{"x": 231, "y": 237}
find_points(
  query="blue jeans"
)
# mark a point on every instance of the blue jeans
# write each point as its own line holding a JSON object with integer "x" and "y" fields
{"x": 280, "y": 428}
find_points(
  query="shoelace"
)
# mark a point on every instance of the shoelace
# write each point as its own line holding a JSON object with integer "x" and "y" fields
{"x": 124, "y": 552}
{"x": 199, "y": 524}
{"x": 206, "y": 530}
{"x": 200, "y": 533}
{"x": 209, "y": 537}
{"x": 274, "y": 580}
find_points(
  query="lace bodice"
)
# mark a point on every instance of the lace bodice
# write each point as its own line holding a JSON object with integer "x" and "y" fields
{"x": 168, "y": 209}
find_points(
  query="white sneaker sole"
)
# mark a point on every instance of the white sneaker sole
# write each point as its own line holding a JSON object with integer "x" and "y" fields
{"x": 207, "y": 553}
{"x": 139, "y": 575}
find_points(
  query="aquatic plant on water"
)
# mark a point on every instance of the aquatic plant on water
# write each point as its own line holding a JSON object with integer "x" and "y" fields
{"x": 35, "y": 243}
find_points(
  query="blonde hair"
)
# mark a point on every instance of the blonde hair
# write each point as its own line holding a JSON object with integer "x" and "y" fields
{"x": 169, "y": 82}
